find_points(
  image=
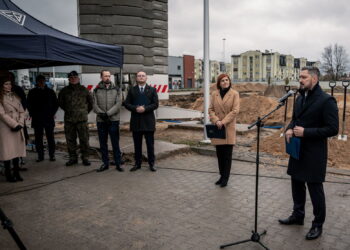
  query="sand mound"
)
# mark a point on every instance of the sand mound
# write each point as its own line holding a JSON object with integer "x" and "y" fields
{"x": 249, "y": 87}
{"x": 338, "y": 151}
{"x": 253, "y": 106}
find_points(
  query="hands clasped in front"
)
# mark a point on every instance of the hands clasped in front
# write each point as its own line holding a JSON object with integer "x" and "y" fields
{"x": 140, "y": 109}
{"x": 219, "y": 124}
{"x": 17, "y": 128}
{"x": 296, "y": 131}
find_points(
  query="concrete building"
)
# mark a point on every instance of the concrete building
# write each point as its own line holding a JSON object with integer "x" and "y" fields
{"x": 175, "y": 71}
{"x": 188, "y": 80}
{"x": 198, "y": 72}
{"x": 256, "y": 66}
{"x": 181, "y": 72}
{"x": 214, "y": 70}
{"x": 140, "y": 26}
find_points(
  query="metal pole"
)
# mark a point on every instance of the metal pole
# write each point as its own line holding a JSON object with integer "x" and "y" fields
{"x": 53, "y": 77}
{"x": 223, "y": 50}
{"x": 206, "y": 64}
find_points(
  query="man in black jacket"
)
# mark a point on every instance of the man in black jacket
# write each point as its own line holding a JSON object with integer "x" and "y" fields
{"x": 42, "y": 106}
{"x": 315, "y": 118}
{"x": 142, "y": 100}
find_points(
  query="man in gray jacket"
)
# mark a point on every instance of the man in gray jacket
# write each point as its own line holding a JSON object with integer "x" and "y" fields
{"x": 107, "y": 103}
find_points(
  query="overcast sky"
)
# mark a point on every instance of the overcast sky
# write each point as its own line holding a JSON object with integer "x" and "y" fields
{"x": 301, "y": 28}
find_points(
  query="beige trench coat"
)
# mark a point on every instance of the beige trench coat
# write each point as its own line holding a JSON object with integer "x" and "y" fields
{"x": 225, "y": 110}
{"x": 12, "y": 144}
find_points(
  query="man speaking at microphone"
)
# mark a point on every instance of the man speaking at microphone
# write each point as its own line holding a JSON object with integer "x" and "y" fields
{"x": 315, "y": 118}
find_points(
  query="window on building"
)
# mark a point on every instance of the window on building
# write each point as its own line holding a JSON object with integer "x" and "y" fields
{"x": 178, "y": 67}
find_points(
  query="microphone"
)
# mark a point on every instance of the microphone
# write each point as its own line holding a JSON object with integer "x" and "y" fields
{"x": 283, "y": 98}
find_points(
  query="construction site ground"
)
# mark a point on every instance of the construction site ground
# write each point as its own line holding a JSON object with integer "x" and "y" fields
{"x": 177, "y": 207}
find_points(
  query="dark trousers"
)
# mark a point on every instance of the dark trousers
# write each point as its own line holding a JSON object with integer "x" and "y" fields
{"x": 149, "y": 137}
{"x": 7, "y": 165}
{"x": 317, "y": 198}
{"x": 224, "y": 155}
{"x": 39, "y": 134}
{"x": 111, "y": 128}
{"x": 72, "y": 130}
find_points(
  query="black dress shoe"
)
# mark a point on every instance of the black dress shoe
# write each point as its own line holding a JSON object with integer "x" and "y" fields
{"x": 22, "y": 169}
{"x": 52, "y": 158}
{"x": 223, "y": 183}
{"x": 291, "y": 220}
{"x": 314, "y": 233}
{"x": 152, "y": 168}
{"x": 71, "y": 162}
{"x": 86, "y": 162}
{"x": 18, "y": 178}
{"x": 102, "y": 168}
{"x": 40, "y": 159}
{"x": 119, "y": 168}
{"x": 135, "y": 168}
{"x": 218, "y": 182}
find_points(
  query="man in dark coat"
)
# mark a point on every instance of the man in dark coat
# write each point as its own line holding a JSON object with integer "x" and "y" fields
{"x": 42, "y": 106}
{"x": 315, "y": 118}
{"x": 142, "y": 100}
{"x": 76, "y": 102}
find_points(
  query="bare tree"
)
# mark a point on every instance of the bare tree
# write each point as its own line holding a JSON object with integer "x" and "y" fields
{"x": 334, "y": 61}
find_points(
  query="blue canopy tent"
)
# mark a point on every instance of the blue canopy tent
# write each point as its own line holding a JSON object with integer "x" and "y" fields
{"x": 25, "y": 42}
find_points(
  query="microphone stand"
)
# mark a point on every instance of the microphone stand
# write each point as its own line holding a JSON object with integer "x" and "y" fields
{"x": 7, "y": 224}
{"x": 255, "y": 237}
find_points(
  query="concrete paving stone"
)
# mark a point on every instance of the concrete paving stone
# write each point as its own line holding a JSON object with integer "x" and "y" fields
{"x": 169, "y": 209}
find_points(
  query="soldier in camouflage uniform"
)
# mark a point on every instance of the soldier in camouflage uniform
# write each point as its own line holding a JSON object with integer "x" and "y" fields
{"x": 76, "y": 101}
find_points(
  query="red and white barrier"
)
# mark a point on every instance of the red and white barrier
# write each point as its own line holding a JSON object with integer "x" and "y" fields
{"x": 159, "y": 82}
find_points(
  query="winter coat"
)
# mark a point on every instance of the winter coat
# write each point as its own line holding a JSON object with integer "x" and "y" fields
{"x": 226, "y": 111}
{"x": 319, "y": 118}
{"x": 76, "y": 102}
{"x": 142, "y": 121}
{"x": 12, "y": 114}
{"x": 42, "y": 106}
{"x": 107, "y": 101}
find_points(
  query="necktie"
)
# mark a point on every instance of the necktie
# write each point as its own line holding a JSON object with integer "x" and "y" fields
{"x": 141, "y": 89}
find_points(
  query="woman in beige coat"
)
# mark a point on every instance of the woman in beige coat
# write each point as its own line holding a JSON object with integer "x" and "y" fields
{"x": 12, "y": 141}
{"x": 223, "y": 110}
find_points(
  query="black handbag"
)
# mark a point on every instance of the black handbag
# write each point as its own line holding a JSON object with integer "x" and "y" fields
{"x": 214, "y": 132}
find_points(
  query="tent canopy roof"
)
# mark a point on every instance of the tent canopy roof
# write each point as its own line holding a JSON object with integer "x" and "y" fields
{"x": 25, "y": 42}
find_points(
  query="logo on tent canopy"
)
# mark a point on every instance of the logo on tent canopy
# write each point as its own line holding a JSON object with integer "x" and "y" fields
{"x": 14, "y": 16}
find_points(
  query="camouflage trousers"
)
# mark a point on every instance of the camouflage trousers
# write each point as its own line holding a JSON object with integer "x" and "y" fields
{"x": 72, "y": 130}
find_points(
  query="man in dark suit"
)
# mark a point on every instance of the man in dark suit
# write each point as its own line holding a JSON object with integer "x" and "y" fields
{"x": 142, "y": 100}
{"x": 315, "y": 118}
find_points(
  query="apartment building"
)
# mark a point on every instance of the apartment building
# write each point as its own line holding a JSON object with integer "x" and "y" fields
{"x": 255, "y": 66}
{"x": 181, "y": 71}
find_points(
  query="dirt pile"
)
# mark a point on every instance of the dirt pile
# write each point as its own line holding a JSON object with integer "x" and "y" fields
{"x": 182, "y": 101}
{"x": 338, "y": 150}
{"x": 255, "y": 106}
{"x": 275, "y": 91}
{"x": 249, "y": 87}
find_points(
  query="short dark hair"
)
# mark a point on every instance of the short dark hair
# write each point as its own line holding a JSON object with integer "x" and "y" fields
{"x": 104, "y": 70}
{"x": 312, "y": 70}
{"x": 40, "y": 77}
